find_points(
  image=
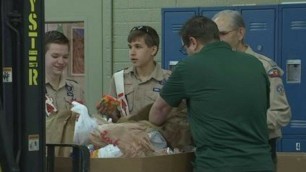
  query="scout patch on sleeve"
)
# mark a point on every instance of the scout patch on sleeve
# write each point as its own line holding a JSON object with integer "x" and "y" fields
{"x": 274, "y": 72}
{"x": 280, "y": 89}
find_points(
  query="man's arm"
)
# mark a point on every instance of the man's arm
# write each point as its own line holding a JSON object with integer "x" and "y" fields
{"x": 279, "y": 113}
{"x": 159, "y": 111}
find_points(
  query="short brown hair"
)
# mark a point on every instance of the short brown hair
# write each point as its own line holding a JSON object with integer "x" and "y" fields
{"x": 149, "y": 34}
{"x": 201, "y": 28}
{"x": 55, "y": 37}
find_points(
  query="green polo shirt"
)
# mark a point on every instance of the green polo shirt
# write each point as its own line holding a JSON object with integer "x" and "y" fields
{"x": 227, "y": 95}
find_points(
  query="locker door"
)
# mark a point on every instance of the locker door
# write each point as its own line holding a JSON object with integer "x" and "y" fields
{"x": 173, "y": 20}
{"x": 297, "y": 144}
{"x": 211, "y": 11}
{"x": 261, "y": 30}
{"x": 293, "y": 58}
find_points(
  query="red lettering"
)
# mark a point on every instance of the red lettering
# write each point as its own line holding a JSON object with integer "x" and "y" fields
{"x": 107, "y": 139}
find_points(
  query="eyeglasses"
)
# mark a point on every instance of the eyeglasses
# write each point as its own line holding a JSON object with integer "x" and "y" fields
{"x": 183, "y": 50}
{"x": 223, "y": 33}
{"x": 141, "y": 28}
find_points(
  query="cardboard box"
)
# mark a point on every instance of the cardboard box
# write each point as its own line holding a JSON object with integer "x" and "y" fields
{"x": 181, "y": 162}
{"x": 287, "y": 162}
{"x": 291, "y": 162}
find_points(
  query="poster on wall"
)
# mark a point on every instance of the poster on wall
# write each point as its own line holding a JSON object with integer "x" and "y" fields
{"x": 77, "y": 51}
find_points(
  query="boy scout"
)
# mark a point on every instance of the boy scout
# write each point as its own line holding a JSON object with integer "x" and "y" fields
{"x": 59, "y": 92}
{"x": 143, "y": 80}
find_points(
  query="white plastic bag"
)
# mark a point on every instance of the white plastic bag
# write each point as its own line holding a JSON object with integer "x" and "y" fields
{"x": 109, "y": 151}
{"x": 84, "y": 124}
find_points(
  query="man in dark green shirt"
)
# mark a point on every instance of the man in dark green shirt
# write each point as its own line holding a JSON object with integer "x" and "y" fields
{"x": 227, "y": 96}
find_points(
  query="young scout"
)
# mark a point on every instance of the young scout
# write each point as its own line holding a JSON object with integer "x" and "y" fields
{"x": 60, "y": 92}
{"x": 144, "y": 79}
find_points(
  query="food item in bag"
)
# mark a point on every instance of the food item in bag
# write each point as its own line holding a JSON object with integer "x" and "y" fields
{"x": 107, "y": 105}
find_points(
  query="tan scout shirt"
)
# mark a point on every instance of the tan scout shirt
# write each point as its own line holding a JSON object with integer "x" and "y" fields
{"x": 60, "y": 124}
{"x": 139, "y": 93}
{"x": 279, "y": 113}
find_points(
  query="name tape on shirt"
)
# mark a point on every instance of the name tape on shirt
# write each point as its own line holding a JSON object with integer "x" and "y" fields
{"x": 156, "y": 89}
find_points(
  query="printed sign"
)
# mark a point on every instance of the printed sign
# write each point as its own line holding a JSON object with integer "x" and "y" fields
{"x": 33, "y": 142}
{"x": 7, "y": 74}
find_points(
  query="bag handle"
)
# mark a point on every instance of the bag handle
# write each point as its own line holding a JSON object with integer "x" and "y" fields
{"x": 119, "y": 83}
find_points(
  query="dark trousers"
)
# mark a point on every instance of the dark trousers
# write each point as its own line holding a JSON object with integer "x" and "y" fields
{"x": 272, "y": 143}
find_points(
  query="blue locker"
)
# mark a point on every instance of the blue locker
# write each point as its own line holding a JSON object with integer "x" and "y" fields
{"x": 293, "y": 55}
{"x": 172, "y": 21}
{"x": 261, "y": 22}
{"x": 292, "y": 143}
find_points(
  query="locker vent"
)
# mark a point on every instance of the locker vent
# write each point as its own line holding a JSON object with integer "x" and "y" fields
{"x": 176, "y": 27}
{"x": 298, "y": 25}
{"x": 258, "y": 26}
{"x": 298, "y": 124}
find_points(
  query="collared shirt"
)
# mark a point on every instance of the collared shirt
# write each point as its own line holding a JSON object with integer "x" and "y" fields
{"x": 139, "y": 93}
{"x": 227, "y": 98}
{"x": 60, "y": 123}
{"x": 279, "y": 113}
{"x": 67, "y": 91}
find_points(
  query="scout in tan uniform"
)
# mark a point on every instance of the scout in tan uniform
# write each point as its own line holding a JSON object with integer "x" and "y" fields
{"x": 143, "y": 80}
{"x": 232, "y": 30}
{"x": 140, "y": 93}
{"x": 142, "y": 83}
{"x": 60, "y": 92}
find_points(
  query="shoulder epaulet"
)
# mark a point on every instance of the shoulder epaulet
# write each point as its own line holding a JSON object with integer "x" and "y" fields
{"x": 267, "y": 60}
{"x": 122, "y": 69}
{"x": 71, "y": 80}
{"x": 272, "y": 63}
{"x": 273, "y": 70}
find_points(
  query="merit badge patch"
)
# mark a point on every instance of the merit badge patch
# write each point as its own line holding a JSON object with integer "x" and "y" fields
{"x": 274, "y": 72}
{"x": 280, "y": 89}
{"x": 69, "y": 90}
